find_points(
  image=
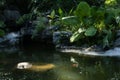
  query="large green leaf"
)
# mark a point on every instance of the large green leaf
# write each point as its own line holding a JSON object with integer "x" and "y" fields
{"x": 52, "y": 15}
{"x": 69, "y": 21}
{"x": 83, "y": 10}
{"x": 60, "y": 12}
{"x": 91, "y": 31}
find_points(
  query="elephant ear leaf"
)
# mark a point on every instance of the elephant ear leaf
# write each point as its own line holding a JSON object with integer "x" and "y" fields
{"x": 83, "y": 10}
{"x": 91, "y": 31}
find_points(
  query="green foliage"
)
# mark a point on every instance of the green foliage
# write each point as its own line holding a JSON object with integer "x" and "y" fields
{"x": 110, "y": 3}
{"x": 77, "y": 35}
{"x": 91, "y": 31}
{"x": 2, "y": 33}
{"x": 82, "y": 10}
{"x": 41, "y": 24}
{"x": 88, "y": 22}
{"x": 60, "y": 11}
{"x": 52, "y": 15}
{"x": 97, "y": 3}
{"x": 80, "y": 17}
{"x": 69, "y": 20}
{"x": 24, "y": 18}
{"x": 2, "y": 25}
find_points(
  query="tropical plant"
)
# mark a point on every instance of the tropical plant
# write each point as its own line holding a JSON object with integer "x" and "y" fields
{"x": 110, "y": 2}
{"x": 88, "y": 22}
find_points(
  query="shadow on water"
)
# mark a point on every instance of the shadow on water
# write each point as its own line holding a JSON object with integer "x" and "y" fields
{"x": 66, "y": 66}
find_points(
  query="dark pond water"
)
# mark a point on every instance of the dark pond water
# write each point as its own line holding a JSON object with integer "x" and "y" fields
{"x": 67, "y": 66}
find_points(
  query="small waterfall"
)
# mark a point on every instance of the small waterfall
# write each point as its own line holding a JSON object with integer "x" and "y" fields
{"x": 9, "y": 43}
{"x": 12, "y": 38}
{"x": 113, "y": 52}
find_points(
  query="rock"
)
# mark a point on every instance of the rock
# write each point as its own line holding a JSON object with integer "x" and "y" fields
{"x": 61, "y": 37}
{"x": 118, "y": 33}
{"x": 11, "y": 15}
{"x": 48, "y": 32}
{"x": 28, "y": 29}
{"x": 117, "y": 42}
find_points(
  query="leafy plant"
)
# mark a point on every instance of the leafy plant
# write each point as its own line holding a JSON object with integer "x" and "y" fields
{"x": 77, "y": 35}
{"x": 110, "y": 2}
{"x": 41, "y": 24}
{"x": 52, "y": 16}
{"x": 91, "y": 31}
{"x": 82, "y": 10}
{"x": 92, "y": 22}
{"x": 24, "y": 18}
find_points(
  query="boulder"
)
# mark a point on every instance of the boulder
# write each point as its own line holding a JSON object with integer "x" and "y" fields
{"x": 11, "y": 15}
{"x": 117, "y": 42}
{"x": 61, "y": 38}
{"x": 28, "y": 29}
{"x": 48, "y": 32}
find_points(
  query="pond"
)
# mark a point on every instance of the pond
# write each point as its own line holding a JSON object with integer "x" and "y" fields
{"x": 57, "y": 66}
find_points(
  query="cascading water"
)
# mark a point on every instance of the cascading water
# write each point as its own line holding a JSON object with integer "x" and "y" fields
{"x": 94, "y": 50}
{"x": 9, "y": 42}
{"x": 13, "y": 38}
{"x": 115, "y": 52}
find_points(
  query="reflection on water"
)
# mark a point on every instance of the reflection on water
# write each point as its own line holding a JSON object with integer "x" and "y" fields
{"x": 57, "y": 66}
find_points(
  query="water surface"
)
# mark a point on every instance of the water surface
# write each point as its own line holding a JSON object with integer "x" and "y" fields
{"x": 67, "y": 66}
